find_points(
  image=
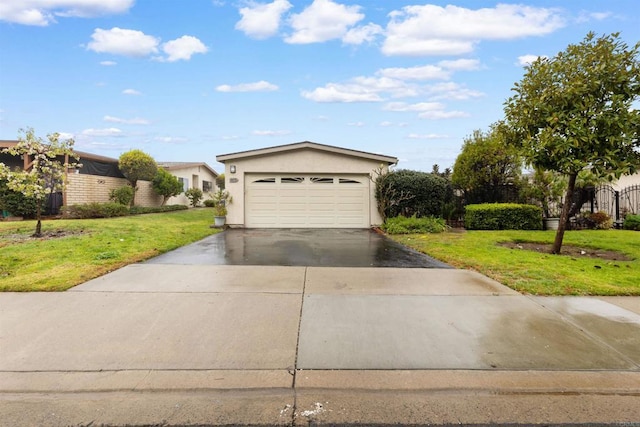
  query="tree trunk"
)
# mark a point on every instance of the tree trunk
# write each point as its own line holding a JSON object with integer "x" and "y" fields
{"x": 38, "y": 232}
{"x": 564, "y": 217}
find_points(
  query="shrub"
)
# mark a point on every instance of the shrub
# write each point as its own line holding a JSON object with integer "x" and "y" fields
{"x": 503, "y": 216}
{"x": 138, "y": 210}
{"x": 599, "y": 220}
{"x": 413, "y": 224}
{"x": 194, "y": 195}
{"x": 209, "y": 203}
{"x": 17, "y": 203}
{"x": 95, "y": 210}
{"x": 631, "y": 222}
{"x": 409, "y": 193}
{"x": 122, "y": 195}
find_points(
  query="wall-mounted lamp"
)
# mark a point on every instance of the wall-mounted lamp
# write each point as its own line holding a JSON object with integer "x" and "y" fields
{"x": 232, "y": 168}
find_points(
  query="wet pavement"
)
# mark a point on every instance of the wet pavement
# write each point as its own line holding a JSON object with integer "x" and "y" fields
{"x": 299, "y": 247}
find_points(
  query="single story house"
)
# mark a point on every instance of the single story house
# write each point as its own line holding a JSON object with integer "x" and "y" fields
{"x": 98, "y": 175}
{"x": 191, "y": 175}
{"x": 303, "y": 185}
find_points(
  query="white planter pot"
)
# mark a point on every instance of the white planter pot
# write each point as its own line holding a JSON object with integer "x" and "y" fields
{"x": 551, "y": 223}
{"x": 219, "y": 221}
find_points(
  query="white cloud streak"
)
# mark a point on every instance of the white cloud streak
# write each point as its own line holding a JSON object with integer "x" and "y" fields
{"x": 323, "y": 20}
{"x": 119, "y": 41}
{"x": 44, "y": 12}
{"x": 134, "y": 121}
{"x": 261, "y": 86}
{"x": 131, "y": 92}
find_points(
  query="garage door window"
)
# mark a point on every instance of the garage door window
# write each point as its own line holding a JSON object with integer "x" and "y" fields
{"x": 321, "y": 180}
{"x": 292, "y": 180}
{"x": 348, "y": 181}
{"x": 265, "y": 181}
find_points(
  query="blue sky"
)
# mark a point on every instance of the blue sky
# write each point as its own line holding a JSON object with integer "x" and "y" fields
{"x": 186, "y": 80}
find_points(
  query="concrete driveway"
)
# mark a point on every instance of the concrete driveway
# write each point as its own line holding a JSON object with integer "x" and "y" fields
{"x": 202, "y": 344}
{"x": 299, "y": 247}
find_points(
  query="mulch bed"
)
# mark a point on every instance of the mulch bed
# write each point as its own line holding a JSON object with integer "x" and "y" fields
{"x": 572, "y": 251}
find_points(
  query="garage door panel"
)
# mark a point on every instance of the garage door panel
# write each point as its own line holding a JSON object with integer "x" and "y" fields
{"x": 309, "y": 201}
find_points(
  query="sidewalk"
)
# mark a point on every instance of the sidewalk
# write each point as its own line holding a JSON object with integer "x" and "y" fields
{"x": 155, "y": 344}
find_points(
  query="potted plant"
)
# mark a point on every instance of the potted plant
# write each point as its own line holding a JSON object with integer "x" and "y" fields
{"x": 221, "y": 199}
{"x": 547, "y": 188}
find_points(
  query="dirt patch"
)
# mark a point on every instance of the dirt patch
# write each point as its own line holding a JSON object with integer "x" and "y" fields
{"x": 568, "y": 250}
{"x": 46, "y": 235}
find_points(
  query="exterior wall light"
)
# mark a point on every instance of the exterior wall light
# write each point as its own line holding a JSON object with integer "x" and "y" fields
{"x": 232, "y": 168}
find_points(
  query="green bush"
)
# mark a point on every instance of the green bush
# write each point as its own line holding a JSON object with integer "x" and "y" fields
{"x": 194, "y": 195}
{"x": 413, "y": 224}
{"x": 95, "y": 210}
{"x": 122, "y": 195}
{"x": 408, "y": 193}
{"x": 209, "y": 203}
{"x": 502, "y": 216}
{"x": 631, "y": 222}
{"x": 17, "y": 203}
{"x": 138, "y": 210}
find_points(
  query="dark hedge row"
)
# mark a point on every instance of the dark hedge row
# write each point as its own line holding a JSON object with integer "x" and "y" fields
{"x": 502, "y": 216}
{"x": 408, "y": 193}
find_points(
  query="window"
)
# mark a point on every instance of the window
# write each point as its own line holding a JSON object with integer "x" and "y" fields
{"x": 292, "y": 180}
{"x": 184, "y": 182}
{"x": 207, "y": 186}
{"x": 348, "y": 181}
{"x": 321, "y": 180}
{"x": 266, "y": 180}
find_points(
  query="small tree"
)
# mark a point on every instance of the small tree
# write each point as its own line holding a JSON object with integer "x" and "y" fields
{"x": 166, "y": 185}
{"x": 194, "y": 195}
{"x": 137, "y": 165}
{"x": 486, "y": 167}
{"x": 221, "y": 199}
{"x": 45, "y": 172}
{"x": 220, "y": 181}
{"x": 122, "y": 195}
{"x": 576, "y": 111}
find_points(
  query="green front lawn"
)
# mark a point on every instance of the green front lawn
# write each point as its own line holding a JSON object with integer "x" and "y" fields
{"x": 538, "y": 273}
{"x": 75, "y": 251}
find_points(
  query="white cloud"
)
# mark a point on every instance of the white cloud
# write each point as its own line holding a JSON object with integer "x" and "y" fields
{"x": 131, "y": 92}
{"x": 452, "y": 30}
{"x": 183, "y": 48}
{"x": 44, "y": 12}
{"x": 356, "y": 124}
{"x": 119, "y": 41}
{"x": 424, "y": 72}
{"x": 525, "y": 60}
{"x": 460, "y": 65}
{"x": 134, "y": 121}
{"x": 451, "y": 90}
{"x": 64, "y": 136}
{"x": 102, "y": 132}
{"x": 426, "y": 110}
{"x": 321, "y": 21}
{"x": 270, "y": 132}
{"x": 364, "y": 33}
{"x": 591, "y": 16}
{"x": 261, "y": 86}
{"x": 170, "y": 139}
{"x": 108, "y": 63}
{"x": 425, "y": 136}
{"x": 261, "y": 21}
{"x": 362, "y": 89}
{"x": 385, "y": 124}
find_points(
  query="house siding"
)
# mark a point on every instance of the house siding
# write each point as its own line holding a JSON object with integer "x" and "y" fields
{"x": 83, "y": 188}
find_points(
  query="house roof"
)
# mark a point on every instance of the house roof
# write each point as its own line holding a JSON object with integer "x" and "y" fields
{"x": 82, "y": 154}
{"x": 306, "y": 145}
{"x": 172, "y": 166}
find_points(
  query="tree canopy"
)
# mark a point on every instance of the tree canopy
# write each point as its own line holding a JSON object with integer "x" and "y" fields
{"x": 486, "y": 166}
{"x": 166, "y": 185}
{"x": 137, "y": 165}
{"x": 575, "y": 111}
{"x": 46, "y": 170}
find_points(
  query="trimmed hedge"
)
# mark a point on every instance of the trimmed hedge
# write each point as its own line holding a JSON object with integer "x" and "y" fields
{"x": 95, "y": 210}
{"x": 413, "y": 224}
{"x": 502, "y": 216}
{"x": 631, "y": 222}
{"x": 138, "y": 210}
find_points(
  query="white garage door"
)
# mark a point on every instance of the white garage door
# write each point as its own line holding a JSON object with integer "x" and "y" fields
{"x": 307, "y": 201}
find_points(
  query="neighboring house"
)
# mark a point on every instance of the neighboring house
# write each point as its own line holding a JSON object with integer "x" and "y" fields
{"x": 191, "y": 175}
{"x": 98, "y": 175}
{"x": 306, "y": 185}
{"x": 626, "y": 181}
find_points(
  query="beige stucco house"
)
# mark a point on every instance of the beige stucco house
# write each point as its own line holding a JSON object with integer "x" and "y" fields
{"x": 303, "y": 185}
{"x": 191, "y": 175}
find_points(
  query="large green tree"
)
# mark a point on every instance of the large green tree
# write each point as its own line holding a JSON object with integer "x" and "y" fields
{"x": 47, "y": 165}
{"x": 166, "y": 185}
{"x": 137, "y": 165}
{"x": 576, "y": 111}
{"x": 486, "y": 166}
